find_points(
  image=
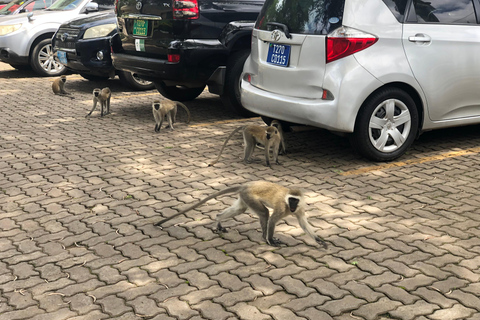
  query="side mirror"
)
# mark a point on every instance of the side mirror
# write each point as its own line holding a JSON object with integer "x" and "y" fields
{"x": 30, "y": 16}
{"x": 91, "y": 7}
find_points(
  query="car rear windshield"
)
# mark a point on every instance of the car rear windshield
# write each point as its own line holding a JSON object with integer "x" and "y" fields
{"x": 302, "y": 16}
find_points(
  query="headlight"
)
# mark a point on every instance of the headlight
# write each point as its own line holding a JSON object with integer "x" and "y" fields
{"x": 9, "y": 29}
{"x": 99, "y": 31}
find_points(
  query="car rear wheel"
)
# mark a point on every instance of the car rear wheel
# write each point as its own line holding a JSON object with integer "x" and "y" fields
{"x": 134, "y": 82}
{"x": 231, "y": 95}
{"x": 178, "y": 93}
{"x": 43, "y": 60}
{"x": 386, "y": 126}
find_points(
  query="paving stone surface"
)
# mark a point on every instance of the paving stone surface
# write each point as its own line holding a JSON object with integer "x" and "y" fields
{"x": 79, "y": 197}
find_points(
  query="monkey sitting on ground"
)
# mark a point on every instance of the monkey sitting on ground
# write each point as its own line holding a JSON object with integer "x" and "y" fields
{"x": 259, "y": 196}
{"x": 103, "y": 97}
{"x": 167, "y": 108}
{"x": 253, "y": 134}
{"x": 58, "y": 87}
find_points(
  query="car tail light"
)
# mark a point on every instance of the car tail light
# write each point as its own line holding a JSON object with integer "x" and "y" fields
{"x": 185, "y": 9}
{"x": 345, "y": 41}
{"x": 173, "y": 58}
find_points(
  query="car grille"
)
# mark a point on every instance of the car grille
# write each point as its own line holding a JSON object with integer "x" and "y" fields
{"x": 69, "y": 36}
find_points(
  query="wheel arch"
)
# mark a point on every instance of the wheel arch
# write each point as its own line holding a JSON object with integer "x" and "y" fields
{"x": 411, "y": 91}
{"x": 237, "y": 35}
{"x": 39, "y": 38}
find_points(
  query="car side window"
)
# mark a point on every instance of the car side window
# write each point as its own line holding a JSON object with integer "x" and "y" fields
{"x": 444, "y": 11}
{"x": 397, "y": 7}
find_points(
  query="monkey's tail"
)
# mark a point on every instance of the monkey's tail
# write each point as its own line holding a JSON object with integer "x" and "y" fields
{"x": 224, "y": 145}
{"x": 186, "y": 109}
{"x": 216, "y": 194}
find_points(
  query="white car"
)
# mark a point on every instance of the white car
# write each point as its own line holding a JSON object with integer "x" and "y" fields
{"x": 26, "y": 38}
{"x": 381, "y": 71}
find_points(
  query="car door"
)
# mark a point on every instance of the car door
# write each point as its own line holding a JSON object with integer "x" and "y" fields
{"x": 441, "y": 39}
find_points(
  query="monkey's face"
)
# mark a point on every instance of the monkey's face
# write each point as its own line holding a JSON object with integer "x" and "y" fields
{"x": 293, "y": 203}
{"x": 269, "y": 135}
{"x": 96, "y": 93}
{"x": 156, "y": 106}
{"x": 64, "y": 80}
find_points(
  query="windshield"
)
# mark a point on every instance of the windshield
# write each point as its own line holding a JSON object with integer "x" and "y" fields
{"x": 11, "y": 7}
{"x": 302, "y": 16}
{"x": 61, "y": 5}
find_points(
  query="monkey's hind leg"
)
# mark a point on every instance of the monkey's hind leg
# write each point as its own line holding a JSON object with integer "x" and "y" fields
{"x": 238, "y": 207}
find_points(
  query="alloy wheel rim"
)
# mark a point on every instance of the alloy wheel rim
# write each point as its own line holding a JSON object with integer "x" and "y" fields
{"x": 46, "y": 59}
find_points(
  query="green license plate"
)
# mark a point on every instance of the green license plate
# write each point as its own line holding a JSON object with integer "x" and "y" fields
{"x": 140, "y": 28}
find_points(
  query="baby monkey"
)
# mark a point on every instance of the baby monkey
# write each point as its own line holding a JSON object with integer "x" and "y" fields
{"x": 167, "y": 108}
{"x": 253, "y": 135}
{"x": 259, "y": 196}
{"x": 58, "y": 87}
{"x": 103, "y": 97}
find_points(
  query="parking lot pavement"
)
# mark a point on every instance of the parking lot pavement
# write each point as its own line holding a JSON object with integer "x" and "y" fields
{"x": 79, "y": 197}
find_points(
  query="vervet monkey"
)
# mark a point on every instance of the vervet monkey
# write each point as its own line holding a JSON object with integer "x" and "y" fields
{"x": 167, "y": 108}
{"x": 58, "y": 86}
{"x": 103, "y": 97}
{"x": 277, "y": 124}
{"x": 253, "y": 134}
{"x": 259, "y": 196}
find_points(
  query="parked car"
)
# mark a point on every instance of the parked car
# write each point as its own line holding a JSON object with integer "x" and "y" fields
{"x": 3, "y": 3}
{"x": 21, "y": 6}
{"x": 380, "y": 71}
{"x": 83, "y": 46}
{"x": 26, "y": 38}
{"x": 184, "y": 45}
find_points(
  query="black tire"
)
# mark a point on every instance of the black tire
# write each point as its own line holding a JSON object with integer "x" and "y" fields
{"x": 43, "y": 61}
{"x": 231, "y": 93}
{"x": 91, "y": 77}
{"x": 133, "y": 82}
{"x": 178, "y": 93}
{"x": 380, "y": 134}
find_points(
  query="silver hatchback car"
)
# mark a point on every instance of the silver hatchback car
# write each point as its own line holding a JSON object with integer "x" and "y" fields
{"x": 380, "y": 70}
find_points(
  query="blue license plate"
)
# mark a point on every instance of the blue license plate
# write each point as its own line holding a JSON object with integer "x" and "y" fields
{"x": 62, "y": 57}
{"x": 278, "y": 54}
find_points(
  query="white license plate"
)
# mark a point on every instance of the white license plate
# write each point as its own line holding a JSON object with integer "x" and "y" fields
{"x": 62, "y": 57}
{"x": 278, "y": 54}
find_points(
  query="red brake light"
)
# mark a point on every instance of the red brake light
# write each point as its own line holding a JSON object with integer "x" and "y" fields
{"x": 185, "y": 9}
{"x": 173, "y": 58}
{"x": 346, "y": 41}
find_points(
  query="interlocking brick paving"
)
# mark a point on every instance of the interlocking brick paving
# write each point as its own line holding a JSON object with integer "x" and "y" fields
{"x": 79, "y": 197}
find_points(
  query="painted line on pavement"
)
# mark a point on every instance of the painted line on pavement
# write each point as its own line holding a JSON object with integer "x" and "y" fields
{"x": 442, "y": 156}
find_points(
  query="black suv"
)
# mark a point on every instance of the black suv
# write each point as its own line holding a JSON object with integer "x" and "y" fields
{"x": 83, "y": 46}
{"x": 184, "y": 45}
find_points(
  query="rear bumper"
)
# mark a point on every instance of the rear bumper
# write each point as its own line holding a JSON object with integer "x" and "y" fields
{"x": 199, "y": 59}
{"x": 313, "y": 112}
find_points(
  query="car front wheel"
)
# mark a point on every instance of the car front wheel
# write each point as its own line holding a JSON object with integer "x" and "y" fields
{"x": 386, "y": 126}
{"x": 43, "y": 60}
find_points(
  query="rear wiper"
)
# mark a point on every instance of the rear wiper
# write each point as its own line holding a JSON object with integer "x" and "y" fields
{"x": 282, "y": 27}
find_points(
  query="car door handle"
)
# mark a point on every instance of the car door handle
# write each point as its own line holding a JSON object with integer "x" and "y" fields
{"x": 420, "y": 37}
